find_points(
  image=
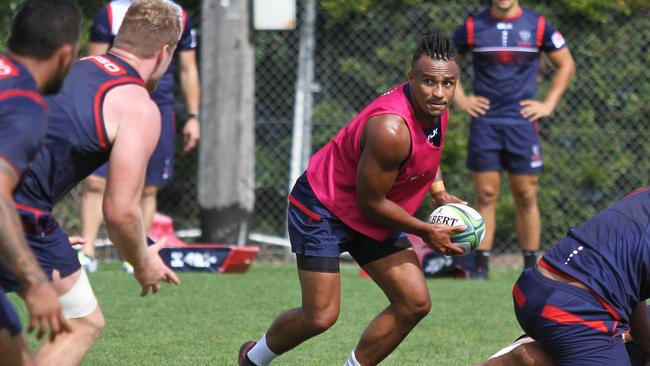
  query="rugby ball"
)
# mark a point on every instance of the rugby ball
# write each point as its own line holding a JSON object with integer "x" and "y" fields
{"x": 457, "y": 214}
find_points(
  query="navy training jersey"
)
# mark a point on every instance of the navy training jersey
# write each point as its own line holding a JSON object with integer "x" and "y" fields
{"x": 505, "y": 59}
{"x": 610, "y": 253}
{"x": 22, "y": 115}
{"x": 76, "y": 142}
{"x": 106, "y": 25}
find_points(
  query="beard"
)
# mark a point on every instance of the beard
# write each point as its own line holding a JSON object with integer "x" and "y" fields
{"x": 54, "y": 85}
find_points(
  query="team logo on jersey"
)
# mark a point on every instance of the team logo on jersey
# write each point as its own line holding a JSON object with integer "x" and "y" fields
{"x": 558, "y": 40}
{"x": 525, "y": 35}
{"x": 7, "y": 69}
{"x": 504, "y": 26}
{"x": 433, "y": 134}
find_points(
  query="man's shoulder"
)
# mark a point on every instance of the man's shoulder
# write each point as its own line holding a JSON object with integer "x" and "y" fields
{"x": 482, "y": 15}
{"x": 529, "y": 13}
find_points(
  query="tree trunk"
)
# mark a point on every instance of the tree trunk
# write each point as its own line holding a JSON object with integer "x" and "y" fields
{"x": 227, "y": 160}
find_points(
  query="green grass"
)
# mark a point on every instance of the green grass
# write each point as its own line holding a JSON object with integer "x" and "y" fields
{"x": 204, "y": 321}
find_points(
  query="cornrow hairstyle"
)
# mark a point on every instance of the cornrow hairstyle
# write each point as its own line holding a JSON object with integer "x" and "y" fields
{"x": 437, "y": 45}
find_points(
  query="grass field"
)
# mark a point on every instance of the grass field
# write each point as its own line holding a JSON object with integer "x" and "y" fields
{"x": 203, "y": 321}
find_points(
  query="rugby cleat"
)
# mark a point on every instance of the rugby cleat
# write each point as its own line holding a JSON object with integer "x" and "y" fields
{"x": 243, "y": 359}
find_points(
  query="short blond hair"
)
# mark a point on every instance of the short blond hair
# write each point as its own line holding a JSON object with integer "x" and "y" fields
{"x": 149, "y": 25}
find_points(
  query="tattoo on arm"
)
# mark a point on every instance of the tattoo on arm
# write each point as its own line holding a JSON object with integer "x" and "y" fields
{"x": 15, "y": 254}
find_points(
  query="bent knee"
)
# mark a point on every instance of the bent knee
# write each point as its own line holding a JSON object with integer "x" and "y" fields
{"x": 421, "y": 308}
{"x": 416, "y": 309}
{"x": 319, "y": 323}
{"x": 95, "y": 321}
{"x": 95, "y": 185}
{"x": 487, "y": 195}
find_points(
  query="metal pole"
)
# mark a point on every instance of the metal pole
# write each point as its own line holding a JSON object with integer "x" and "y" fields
{"x": 301, "y": 138}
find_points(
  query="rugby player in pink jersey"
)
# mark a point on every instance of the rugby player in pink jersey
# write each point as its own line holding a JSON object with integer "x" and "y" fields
{"x": 359, "y": 194}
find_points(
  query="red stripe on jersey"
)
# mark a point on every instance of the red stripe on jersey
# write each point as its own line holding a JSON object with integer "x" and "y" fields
{"x": 30, "y": 94}
{"x": 519, "y": 296}
{"x": 605, "y": 304}
{"x": 541, "y": 24}
{"x": 469, "y": 24}
{"x": 109, "y": 11}
{"x": 97, "y": 105}
{"x": 637, "y": 191}
{"x": 37, "y": 212}
{"x": 304, "y": 209}
{"x": 561, "y": 316}
{"x": 184, "y": 20}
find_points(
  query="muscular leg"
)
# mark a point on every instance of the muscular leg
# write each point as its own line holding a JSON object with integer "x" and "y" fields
{"x": 527, "y": 220}
{"x": 14, "y": 350}
{"x": 321, "y": 299}
{"x": 400, "y": 277}
{"x": 149, "y": 205}
{"x": 91, "y": 211}
{"x": 486, "y": 189}
{"x": 70, "y": 348}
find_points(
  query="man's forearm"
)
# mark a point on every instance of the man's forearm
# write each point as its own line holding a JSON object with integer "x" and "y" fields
{"x": 126, "y": 231}
{"x": 189, "y": 78}
{"x": 559, "y": 84}
{"x": 388, "y": 213}
{"x": 15, "y": 254}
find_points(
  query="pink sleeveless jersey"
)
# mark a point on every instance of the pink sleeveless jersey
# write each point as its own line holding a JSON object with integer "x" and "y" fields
{"x": 332, "y": 171}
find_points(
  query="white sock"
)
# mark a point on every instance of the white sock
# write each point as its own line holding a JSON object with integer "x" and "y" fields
{"x": 260, "y": 354}
{"x": 352, "y": 361}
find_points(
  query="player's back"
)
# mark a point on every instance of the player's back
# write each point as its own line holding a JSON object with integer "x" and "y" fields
{"x": 22, "y": 114}
{"x": 610, "y": 253}
{"x": 76, "y": 142}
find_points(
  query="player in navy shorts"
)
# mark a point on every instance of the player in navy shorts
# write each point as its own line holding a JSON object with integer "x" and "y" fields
{"x": 161, "y": 165}
{"x": 102, "y": 113}
{"x": 506, "y": 41}
{"x": 40, "y": 52}
{"x": 358, "y": 195}
{"x": 525, "y": 351}
{"x": 591, "y": 287}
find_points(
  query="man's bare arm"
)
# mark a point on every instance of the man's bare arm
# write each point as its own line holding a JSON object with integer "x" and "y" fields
{"x": 15, "y": 254}
{"x": 564, "y": 71}
{"x": 133, "y": 122}
{"x": 386, "y": 144}
{"x": 191, "y": 86}
{"x": 45, "y": 312}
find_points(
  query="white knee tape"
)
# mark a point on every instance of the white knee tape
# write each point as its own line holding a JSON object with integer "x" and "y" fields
{"x": 512, "y": 346}
{"x": 80, "y": 300}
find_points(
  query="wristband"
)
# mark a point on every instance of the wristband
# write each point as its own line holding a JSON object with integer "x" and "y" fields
{"x": 195, "y": 116}
{"x": 437, "y": 186}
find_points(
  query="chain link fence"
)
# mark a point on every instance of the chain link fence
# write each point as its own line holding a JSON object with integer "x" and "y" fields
{"x": 595, "y": 144}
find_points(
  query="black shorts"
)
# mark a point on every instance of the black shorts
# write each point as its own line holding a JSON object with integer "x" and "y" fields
{"x": 364, "y": 250}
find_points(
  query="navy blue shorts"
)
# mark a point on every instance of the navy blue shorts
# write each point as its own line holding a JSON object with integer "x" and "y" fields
{"x": 514, "y": 148}
{"x": 161, "y": 165}
{"x": 570, "y": 322}
{"x": 8, "y": 317}
{"x": 315, "y": 232}
{"x": 50, "y": 245}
